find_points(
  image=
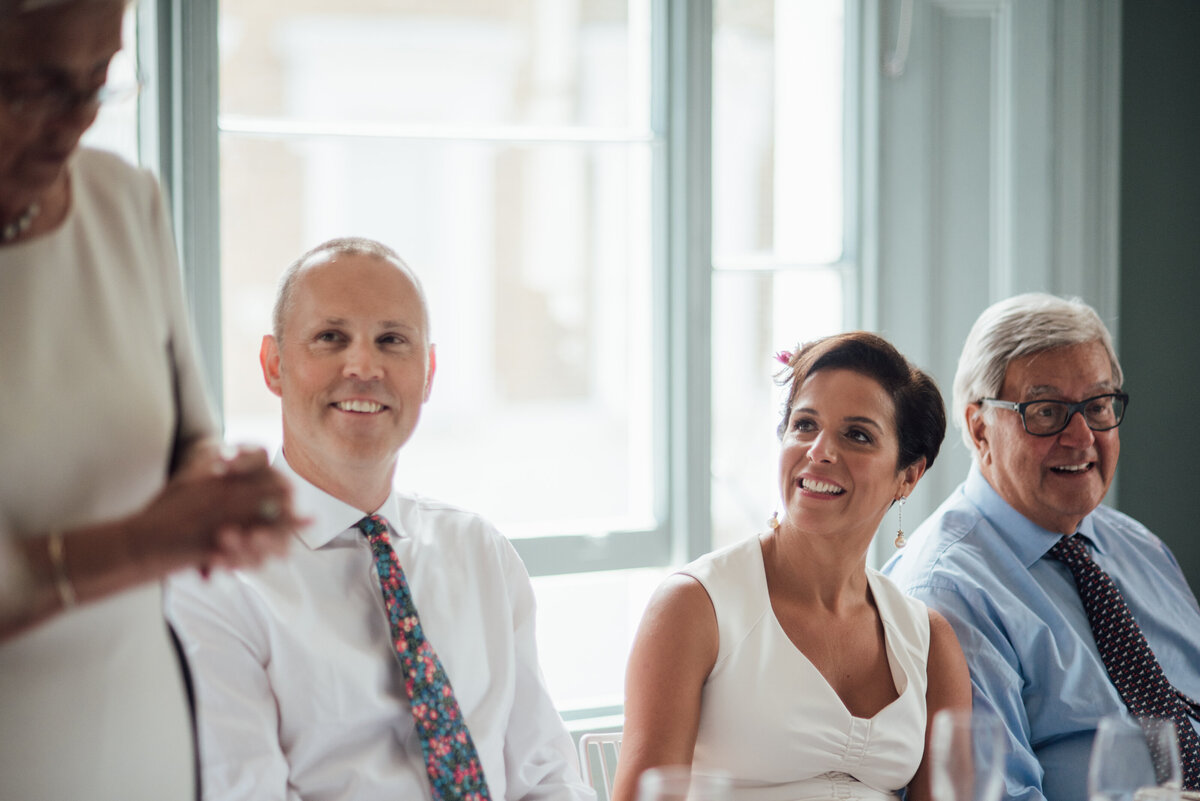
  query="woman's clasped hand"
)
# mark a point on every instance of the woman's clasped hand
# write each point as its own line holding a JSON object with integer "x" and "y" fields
{"x": 225, "y": 508}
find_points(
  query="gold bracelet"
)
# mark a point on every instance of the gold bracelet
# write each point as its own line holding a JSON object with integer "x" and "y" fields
{"x": 54, "y": 547}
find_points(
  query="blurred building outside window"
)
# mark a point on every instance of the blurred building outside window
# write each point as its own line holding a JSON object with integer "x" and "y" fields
{"x": 507, "y": 150}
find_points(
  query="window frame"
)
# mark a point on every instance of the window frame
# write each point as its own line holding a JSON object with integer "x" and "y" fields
{"x": 180, "y": 137}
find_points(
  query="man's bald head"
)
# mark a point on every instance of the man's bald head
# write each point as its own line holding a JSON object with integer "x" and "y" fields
{"x": 327, "y": 252}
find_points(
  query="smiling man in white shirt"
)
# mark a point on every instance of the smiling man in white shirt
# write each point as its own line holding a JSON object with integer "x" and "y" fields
{"x": 303, "y": 688}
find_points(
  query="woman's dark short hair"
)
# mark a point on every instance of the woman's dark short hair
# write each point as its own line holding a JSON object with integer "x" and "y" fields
{"x": 919, "y": 411}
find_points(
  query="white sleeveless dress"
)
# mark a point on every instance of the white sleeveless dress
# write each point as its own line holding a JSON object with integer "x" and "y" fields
{"x": 770, "y": 719}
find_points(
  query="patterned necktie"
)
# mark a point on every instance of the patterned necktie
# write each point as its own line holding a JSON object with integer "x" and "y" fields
{"x": 1130, "y": 663}
{"x": 450, "y": 756}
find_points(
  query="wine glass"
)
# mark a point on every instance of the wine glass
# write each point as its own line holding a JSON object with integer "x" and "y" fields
{"x": 1134, "y": 759}
{"x": 965, "y": 756}
{"x": 680, "y": 783}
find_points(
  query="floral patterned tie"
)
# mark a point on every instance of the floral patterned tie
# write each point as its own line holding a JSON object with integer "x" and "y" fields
{"x": 1130, "y": 663}
{"x": 450, "y": 756}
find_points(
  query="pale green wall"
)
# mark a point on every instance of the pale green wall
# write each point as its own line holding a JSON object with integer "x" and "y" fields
{"x": 1159, "y": 326}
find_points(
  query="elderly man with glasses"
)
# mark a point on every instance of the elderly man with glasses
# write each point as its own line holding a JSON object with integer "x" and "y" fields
{"x": 1067, "y": 610}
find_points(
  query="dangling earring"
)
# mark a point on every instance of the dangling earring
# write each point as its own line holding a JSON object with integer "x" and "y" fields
{"x": 774, "y": 521}
{"x": 900, "y": 540}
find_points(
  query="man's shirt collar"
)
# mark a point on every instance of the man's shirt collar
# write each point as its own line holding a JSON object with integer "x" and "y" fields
{"x": 1028, "y": 541}
{"x": 330, "y": 516}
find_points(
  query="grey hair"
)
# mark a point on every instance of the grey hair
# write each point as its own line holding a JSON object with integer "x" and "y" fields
{"x": 1021, "y": 326}
{"x": 328, "y": 251}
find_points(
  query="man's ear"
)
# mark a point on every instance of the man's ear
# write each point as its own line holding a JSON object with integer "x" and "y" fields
{"x": 431, "y": 371}
{"x": 268, "y": 357}
{"x": 977, "y": 428}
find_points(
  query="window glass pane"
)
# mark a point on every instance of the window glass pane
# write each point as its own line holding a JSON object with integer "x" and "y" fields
{"x": 778, "y": 177}
{"x": 438, "y": 62}
{"x": 777, "y": 131}
{"x": 503, "y": 147}
{"x": 756, "y": 315}
{"x": 536, "y": 263}
{"x": 586, "y": 623}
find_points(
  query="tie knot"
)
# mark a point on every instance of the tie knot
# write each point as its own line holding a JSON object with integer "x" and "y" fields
{"x": 375, "y": 528}
{"x": 1070, "y": 550}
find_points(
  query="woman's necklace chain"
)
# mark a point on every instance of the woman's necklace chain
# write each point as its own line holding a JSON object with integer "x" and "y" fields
{"x": 22, "y": 224}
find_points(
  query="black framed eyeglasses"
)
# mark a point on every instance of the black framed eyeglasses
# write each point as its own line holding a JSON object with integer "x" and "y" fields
{"x": 1045, "y": 418}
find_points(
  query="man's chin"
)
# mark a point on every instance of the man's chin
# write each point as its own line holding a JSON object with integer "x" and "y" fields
{"x": 367, "y": 454}
{"x": 1070, "y": 509}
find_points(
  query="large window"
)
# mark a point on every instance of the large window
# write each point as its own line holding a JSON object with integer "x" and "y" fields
{"x": 604, "y": 389}
{"x": 504, "y": 149}
{"x": 782, "y": 244}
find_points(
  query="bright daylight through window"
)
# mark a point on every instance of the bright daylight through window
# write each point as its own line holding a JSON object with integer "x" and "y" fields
{"x": 518, "y": 154}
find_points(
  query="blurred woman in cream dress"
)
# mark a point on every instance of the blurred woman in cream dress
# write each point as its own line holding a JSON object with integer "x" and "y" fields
{"x": 110, "y": 472}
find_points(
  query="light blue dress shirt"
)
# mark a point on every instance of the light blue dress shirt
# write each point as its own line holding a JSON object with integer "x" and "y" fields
{"x": 1027, "y": 640}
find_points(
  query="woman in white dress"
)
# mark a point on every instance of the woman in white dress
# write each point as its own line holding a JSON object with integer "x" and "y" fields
{"x": 784, "y": 660}
{"x": 111, "y": 476}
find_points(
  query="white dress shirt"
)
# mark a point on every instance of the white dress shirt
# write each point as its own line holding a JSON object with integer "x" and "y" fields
{"x": 299, "y": 691}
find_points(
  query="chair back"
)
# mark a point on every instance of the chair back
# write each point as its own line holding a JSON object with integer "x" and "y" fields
{"x": 598, "y": 753}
